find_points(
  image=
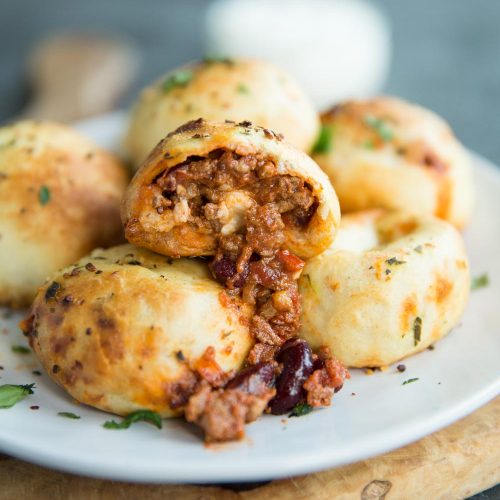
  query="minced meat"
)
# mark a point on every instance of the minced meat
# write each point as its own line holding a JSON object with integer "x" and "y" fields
{"x": 248, "y": 205}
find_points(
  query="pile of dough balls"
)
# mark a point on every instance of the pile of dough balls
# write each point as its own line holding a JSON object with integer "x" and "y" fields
{"x": 121, "y": 328}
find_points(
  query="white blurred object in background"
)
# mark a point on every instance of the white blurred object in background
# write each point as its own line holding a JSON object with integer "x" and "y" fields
{"x": 337, "y": 49}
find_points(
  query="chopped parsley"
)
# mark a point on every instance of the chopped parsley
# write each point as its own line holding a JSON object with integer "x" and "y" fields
{"x": 393, "y": 261}
{"x": 12, "y": 394}
{"x": 417, "y": 330}
{"x": 68, "y": 414}
{"x": 410, "y": 380}
{"x": 381, "y": 127}
{"x": 8, "y": 144}
{"x": 301, "y": 409}
{"x": 20, "y": 349}
{"x": 324, "y": 141}
{"x": 178, "y": 79}
{"x": 214, "y": 58}
{"x": 243, "y": 89}
{"x": 43, "y": 195}
{"x": 136, "y": 416}
{"x": 480, "y": 282}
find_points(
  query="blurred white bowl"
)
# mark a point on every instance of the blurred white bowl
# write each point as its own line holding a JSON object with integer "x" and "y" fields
{"x": 337, "y": 49}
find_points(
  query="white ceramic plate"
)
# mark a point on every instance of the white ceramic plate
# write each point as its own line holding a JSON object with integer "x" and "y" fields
{"x": 371, "y": 415}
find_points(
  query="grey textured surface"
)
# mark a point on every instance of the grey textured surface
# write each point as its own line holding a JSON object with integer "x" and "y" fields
{"x": 447, "y": 57}
{"x": 446, "y": 54}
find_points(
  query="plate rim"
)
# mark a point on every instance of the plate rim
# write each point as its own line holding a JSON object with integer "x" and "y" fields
{"x": 384, "y": 442}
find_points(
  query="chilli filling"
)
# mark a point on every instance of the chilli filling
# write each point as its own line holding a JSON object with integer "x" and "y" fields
{"x": 249, "y": 206}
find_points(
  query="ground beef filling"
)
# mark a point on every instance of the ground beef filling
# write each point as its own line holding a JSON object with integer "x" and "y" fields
{"x": 244, "y": 201}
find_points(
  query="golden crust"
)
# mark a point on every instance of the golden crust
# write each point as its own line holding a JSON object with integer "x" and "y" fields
{"x": 219, "y": 90}
{"x": 121, "y": 332}
{"x": 59, "y": 198}
{"x": 143, "y": 225}
{"x": 387, "y": 153}
{"x": 362, "y": 297}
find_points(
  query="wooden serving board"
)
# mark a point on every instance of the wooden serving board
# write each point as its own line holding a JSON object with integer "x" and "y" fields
{"x": 456, "y": 462}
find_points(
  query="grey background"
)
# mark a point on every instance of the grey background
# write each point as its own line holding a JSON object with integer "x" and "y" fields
{"x": 446, "y": 53}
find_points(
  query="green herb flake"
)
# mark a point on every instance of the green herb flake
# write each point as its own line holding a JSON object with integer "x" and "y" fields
{"x": 178, "y": 79}
{"x": 43, "y": 195}
{"x": 410, "y": 380}
{"x": 243, "y": 89}
{"x": 324, "y": 142}
{"x": 216, "y": 58}
{"x": 8, "y": 144}
{"x": 381, "y": 127}
{"x": 417, "y": 330}
{"x": 20, "y": 349}
{"x": 136, "y": 416}
{"x": 393, "y": 261}
{"x": 68, "y": 414}
{"x": 480, "y": 282}
{"x": 300, "y": 410}
{"x": 12, "y": 394}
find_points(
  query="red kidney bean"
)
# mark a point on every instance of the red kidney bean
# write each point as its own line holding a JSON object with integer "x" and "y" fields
{"x": 296, "y": 356}
{"x": 224, "y": 269}
{"x": 251, "y": 379}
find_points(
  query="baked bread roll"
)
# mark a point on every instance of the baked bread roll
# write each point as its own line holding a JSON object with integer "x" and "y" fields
{"x": 387, "y": 153}
{"x": 126, "y": 329}
{"x": 220, "y": 89}
{"x": 209, "y": 181}
{"x": 391, "y": 285}
{"x": 59, "y": 198}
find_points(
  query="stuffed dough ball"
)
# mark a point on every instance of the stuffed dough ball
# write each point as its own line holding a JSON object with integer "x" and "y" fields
{"x": 391, "y": 285}
{"x": 213, "y": 185}
{"x": 218, "y": 90}
{"x": 59, "y": 198}
{"x": 387, "y": 153}
{"x": 126, "y": 329}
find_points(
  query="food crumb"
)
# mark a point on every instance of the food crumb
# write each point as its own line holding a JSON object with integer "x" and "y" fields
{"x": 369, "y": 371}
{"x": 401, "y": 368}
{"x": 34, "y": 407}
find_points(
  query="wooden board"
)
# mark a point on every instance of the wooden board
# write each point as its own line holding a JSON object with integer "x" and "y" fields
{"x": 456, "y": 462}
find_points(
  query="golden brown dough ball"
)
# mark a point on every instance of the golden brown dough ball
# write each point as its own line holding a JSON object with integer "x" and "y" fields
{"x": 203, "y": 180}
{"x": 220, "y": 89}
{"x": 390, "y": 285}
{"x": 125, "y": 329}
{"x": 387, "y": 153}
{"x": 59, "y": 198}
